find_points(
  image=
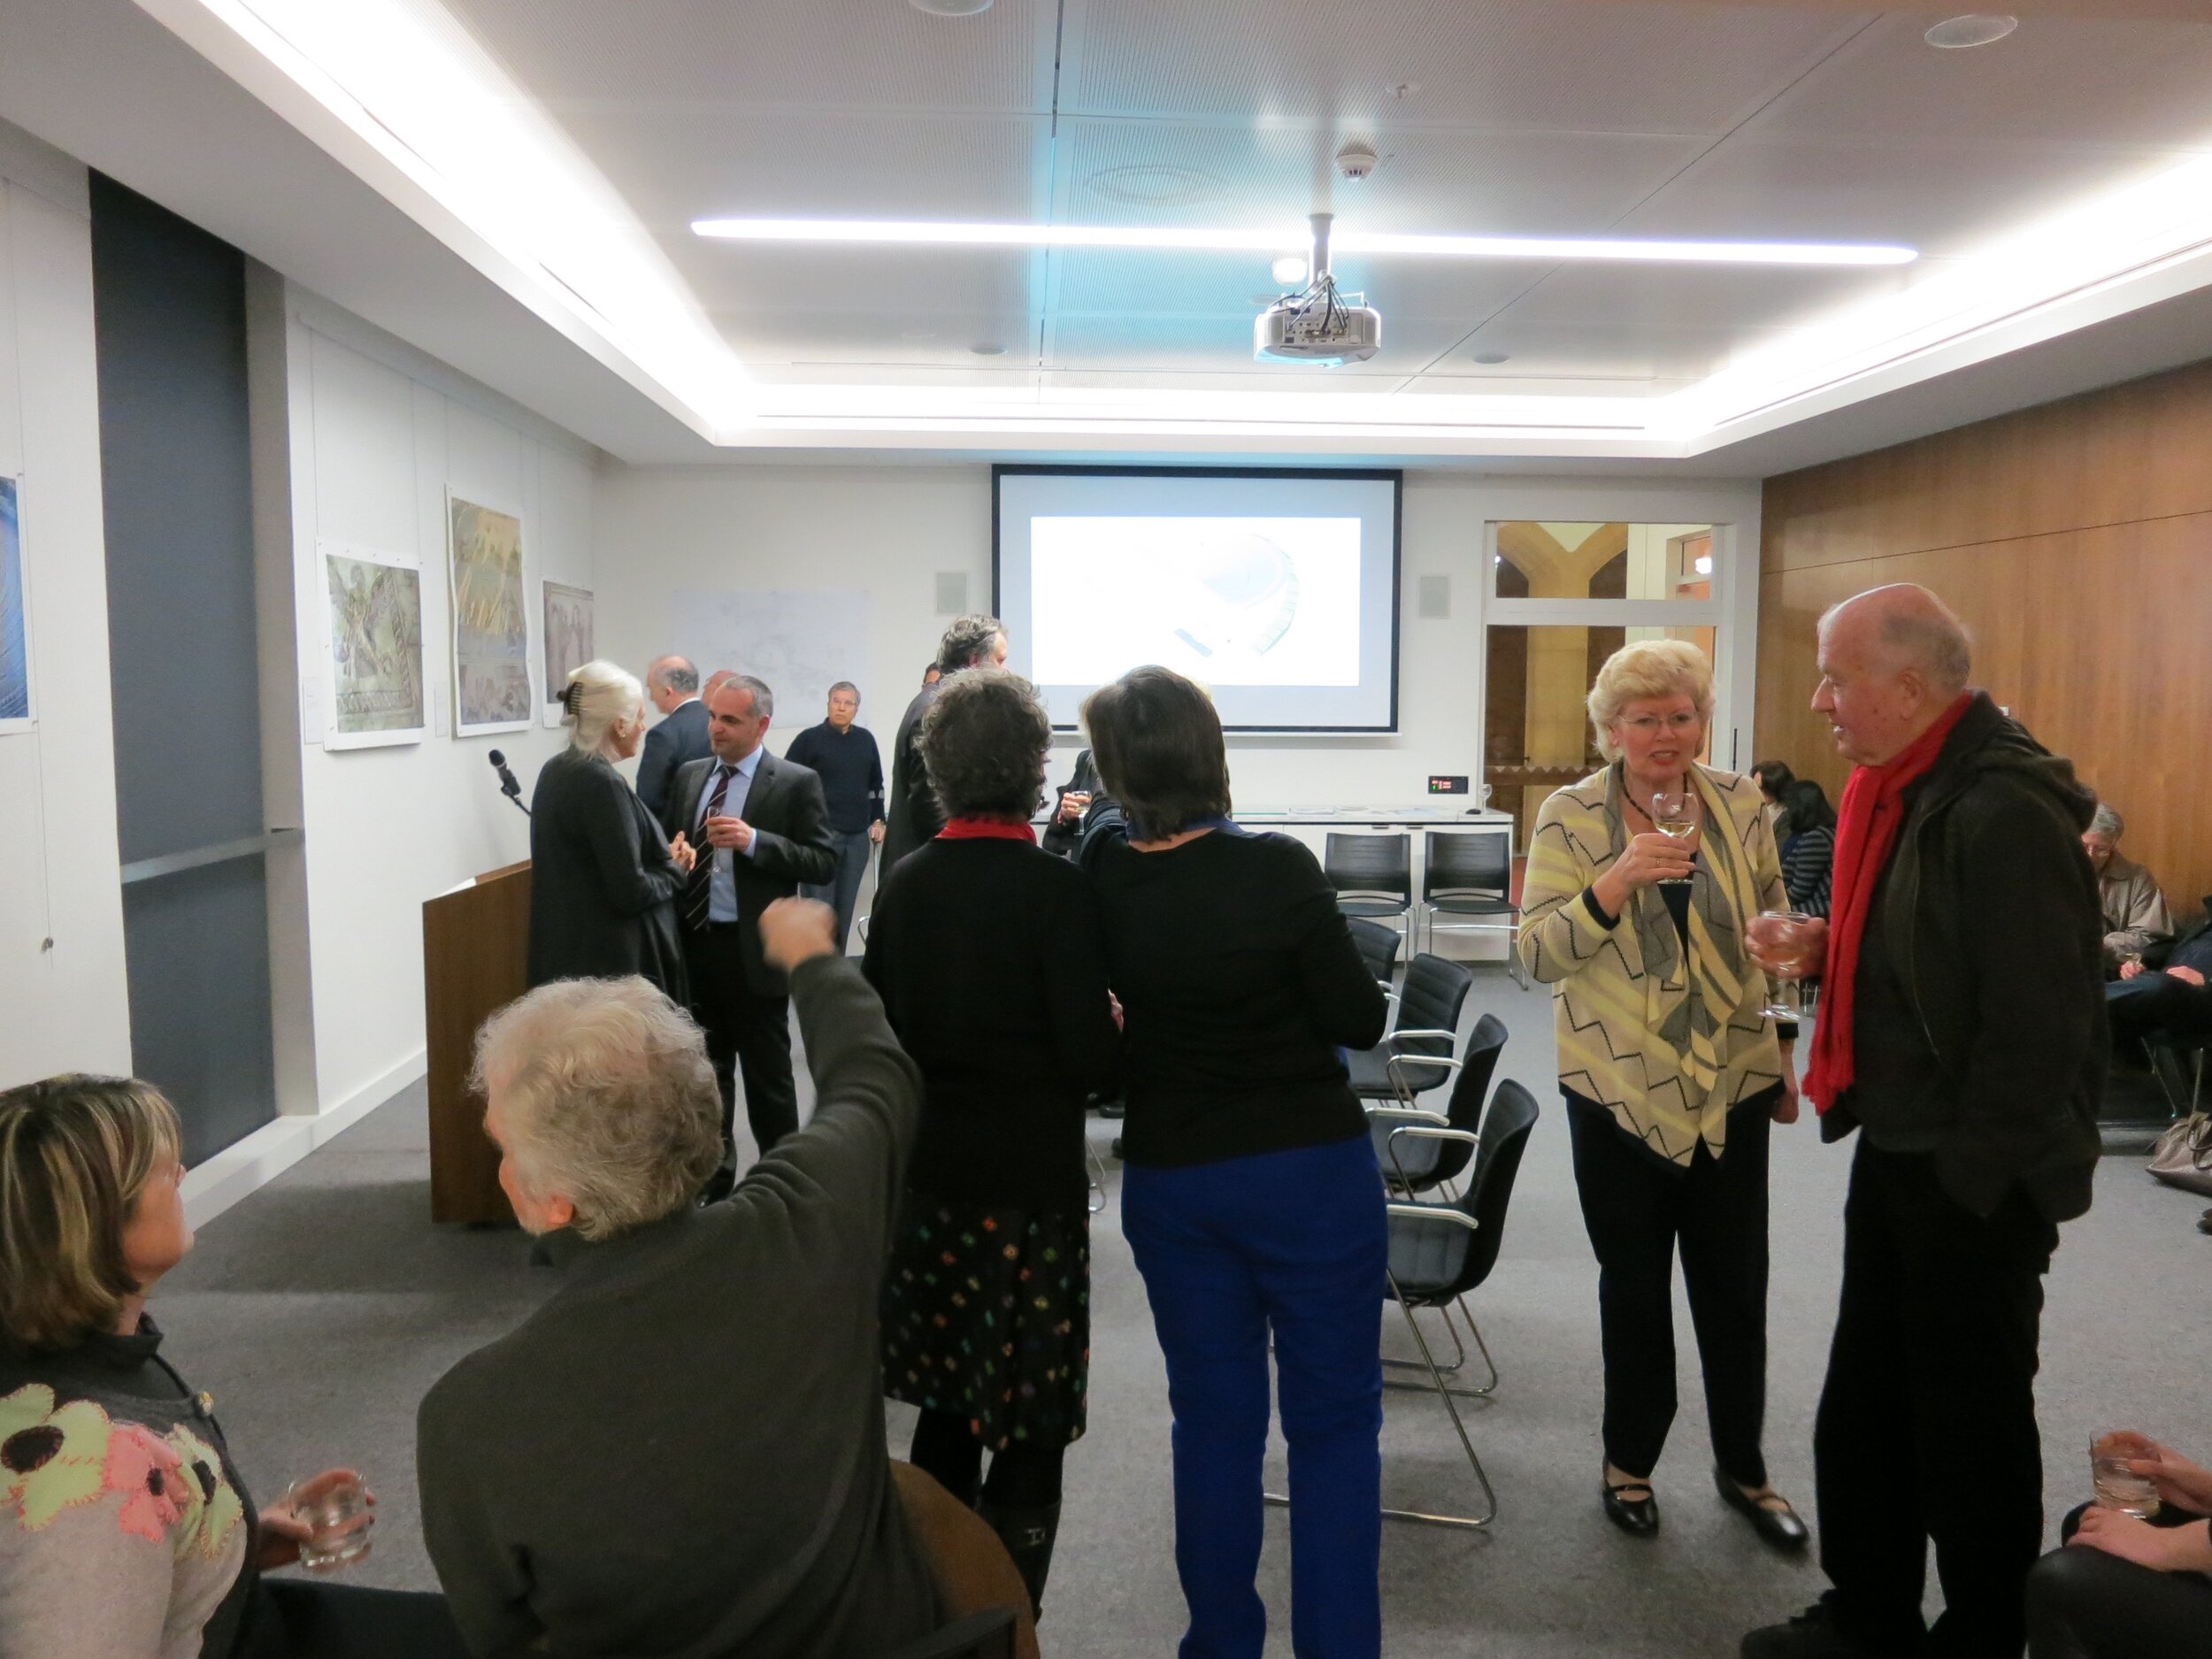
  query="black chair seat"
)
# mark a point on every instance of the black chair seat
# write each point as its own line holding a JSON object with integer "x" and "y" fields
{"x": 1433, "y": 1260}
{"x": 1370, "y": 1081}
{"x": 1470, "y": 904}
{"x": 1374, "y": 907}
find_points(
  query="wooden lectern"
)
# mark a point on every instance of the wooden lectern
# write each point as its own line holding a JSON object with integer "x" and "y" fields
{"x": 475, "y": 961}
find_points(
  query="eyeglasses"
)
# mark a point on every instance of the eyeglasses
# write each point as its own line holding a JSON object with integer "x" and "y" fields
{"x": 1652, "y": 724}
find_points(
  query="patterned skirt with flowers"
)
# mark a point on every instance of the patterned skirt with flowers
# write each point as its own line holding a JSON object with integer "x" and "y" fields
{"x": 986, "y": 1314}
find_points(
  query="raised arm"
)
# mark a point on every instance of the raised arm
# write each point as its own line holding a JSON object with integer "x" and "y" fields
{"x": 1561, "y": 933}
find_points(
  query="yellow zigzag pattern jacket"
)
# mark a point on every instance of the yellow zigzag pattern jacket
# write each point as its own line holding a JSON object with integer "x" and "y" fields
{"x": 1610, "y": 1012}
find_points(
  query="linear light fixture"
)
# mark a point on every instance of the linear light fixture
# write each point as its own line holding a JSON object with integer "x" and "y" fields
{"x": 933, "y": 233}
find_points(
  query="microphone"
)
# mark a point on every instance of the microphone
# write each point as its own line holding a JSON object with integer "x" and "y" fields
{"x": 507, "y": 786}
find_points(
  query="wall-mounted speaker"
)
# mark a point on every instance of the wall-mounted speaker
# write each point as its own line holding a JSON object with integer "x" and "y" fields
{"x": 952, "y": 593}
{"x": 1435, "y": 601}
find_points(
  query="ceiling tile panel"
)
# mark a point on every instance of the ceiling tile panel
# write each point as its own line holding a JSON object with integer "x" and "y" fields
{"x": 1652, "y": 352}
{"x": 874, "y": 336}
{"x": 863, "y": 54}
{"x": 785, "y": 279}
{"x": 1550, "y": 64}
{"x": 1740, "y": 299}
{"x": 2053, "y": 79}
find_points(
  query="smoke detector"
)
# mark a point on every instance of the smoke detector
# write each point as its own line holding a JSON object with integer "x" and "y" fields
{"x": 1357, "y": 160}
{"x": 1319, "y": 324}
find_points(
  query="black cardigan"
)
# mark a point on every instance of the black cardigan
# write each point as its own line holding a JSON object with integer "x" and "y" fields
{"x": 988, "y": 956}
{"x": 1239, "y": 982}
{"x": 602, "y": 885}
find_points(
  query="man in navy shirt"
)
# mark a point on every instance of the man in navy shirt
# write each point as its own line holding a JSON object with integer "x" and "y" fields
{"x": 851, "y": 769}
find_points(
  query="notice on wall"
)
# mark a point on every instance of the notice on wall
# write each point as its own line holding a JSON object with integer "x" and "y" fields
{"x": 800, "y": 641}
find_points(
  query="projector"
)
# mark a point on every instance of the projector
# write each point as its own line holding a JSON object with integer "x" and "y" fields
{"x": 1319, "y": 325}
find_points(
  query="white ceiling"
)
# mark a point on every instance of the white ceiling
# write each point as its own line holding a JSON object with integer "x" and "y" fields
{"x": 1774, "y": 120}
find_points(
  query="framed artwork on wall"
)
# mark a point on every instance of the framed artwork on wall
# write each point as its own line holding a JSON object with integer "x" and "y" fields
{"x": 568, "y": 641}
{"x": 372, "y": 649}
{"x": 15, "y": 617}
{"x": 491, "y": 619}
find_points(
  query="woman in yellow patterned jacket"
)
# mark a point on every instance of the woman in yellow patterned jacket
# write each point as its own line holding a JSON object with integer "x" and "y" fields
{"x": 1672, "y": 1075}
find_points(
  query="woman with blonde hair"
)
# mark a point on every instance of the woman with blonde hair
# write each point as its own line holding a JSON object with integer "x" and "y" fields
{"x": 603, "y": 881}
{"x": 126, "y": 1532}
{"x": 1672, "y": 1073}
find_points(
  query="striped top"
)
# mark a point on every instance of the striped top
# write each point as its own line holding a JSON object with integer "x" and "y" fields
{"x": 1808, "y": 862}
{"x": 1665, "y": 1033}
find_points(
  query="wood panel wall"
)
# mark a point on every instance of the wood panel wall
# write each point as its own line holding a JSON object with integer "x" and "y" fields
{"x": 2076, "y": 540}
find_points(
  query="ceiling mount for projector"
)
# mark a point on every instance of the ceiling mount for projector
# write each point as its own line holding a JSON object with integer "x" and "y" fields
{"x": 1318, "y": 325}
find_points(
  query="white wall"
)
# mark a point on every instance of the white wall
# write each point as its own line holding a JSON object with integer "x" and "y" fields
{"x": 376, "y": 435}
{"x": 890, "y": 529}
{"x": 63, "y": 1005}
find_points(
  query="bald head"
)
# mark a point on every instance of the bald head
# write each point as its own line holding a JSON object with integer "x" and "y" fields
{"x": 1893, "y": 660}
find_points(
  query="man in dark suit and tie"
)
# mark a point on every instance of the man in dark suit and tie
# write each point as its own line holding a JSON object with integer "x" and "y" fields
{"x": 911, "y": 813}
{"x": 679, "y": 739}
{"x": 761, "y": 827}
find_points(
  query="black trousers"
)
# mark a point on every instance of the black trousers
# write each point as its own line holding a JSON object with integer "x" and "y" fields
{"x": 313, "y": 1618}
{"x": 1637, "y": 1208}
{"x": 1930, "y": 1395}
{"x": 2084, "y": 1604}
{"x": 1022, "y": 1477}
{"x": 749, "y": 1035}
{"x": 2151, "y": 1004}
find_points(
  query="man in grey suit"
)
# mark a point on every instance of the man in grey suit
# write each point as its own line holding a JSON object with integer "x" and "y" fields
{"x": 761, "y": 827}
{"x": 912, "y": 814}
{"x": 672, "y": 683}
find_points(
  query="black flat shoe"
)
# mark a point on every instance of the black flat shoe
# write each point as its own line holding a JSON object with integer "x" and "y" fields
{"x": 1781, "y": 1528}
{"x": 1639, "y": 1517}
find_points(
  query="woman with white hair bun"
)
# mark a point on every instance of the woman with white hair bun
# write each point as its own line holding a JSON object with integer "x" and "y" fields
{"x": 604, "y": 882}
{"x": 1670, "y": 1071}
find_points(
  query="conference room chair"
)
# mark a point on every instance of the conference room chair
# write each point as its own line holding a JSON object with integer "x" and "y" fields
{"x": 1468, "y": 874}
{"x": 1373, "y": 875}
{"x": 1406, "y": 1063}
{"x": 986, "y": 1635}
{"x": 1378, "y": 948}
{"x": 1440, "y": 1252}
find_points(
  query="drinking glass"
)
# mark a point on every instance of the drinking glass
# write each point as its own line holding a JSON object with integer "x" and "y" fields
{"x": 1674, "y": 815}
{"x": 1779, "y": 937}
{"x": 336, "y": 1509}
{"x": 2118, "y": 1487}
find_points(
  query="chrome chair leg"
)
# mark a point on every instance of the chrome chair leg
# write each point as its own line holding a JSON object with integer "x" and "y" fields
{"x": 1465, "y": 1522}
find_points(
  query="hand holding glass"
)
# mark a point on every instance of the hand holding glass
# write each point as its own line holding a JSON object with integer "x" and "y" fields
{"x": 335, "y": 1509}
{"x": 1674, "y": 815}
{"x": 2118, "y": 1485}
{"x": 1782, "y": 943}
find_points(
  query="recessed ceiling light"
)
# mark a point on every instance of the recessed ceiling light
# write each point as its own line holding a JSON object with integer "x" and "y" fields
{"x": 986, "y": 348}
{"x": 1491, "y": 358}
{"x": 1288, "y": 269}
{"x": 1155, "y": 185}
{"x": 912, "y": 233}
{"x": 950, "y": 8}
{"x": 1975, "y": 28}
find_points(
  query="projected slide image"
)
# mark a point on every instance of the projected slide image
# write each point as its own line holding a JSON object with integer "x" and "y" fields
{"x": 1243, "y": 601}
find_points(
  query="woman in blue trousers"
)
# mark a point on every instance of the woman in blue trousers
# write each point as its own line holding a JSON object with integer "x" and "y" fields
{"x": 1251, "y": 1199}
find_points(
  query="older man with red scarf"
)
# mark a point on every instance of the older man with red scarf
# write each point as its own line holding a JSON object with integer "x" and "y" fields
{"x": 1963, "y": 1034}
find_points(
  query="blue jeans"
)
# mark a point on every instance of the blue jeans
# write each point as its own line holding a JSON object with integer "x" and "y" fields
{"x": 1295, "y": 1241}
{"x": 842, "y": 889}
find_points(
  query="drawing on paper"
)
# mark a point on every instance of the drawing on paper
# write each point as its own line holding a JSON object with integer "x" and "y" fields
{"x": 376, "y": 680}
{"x": 491, "y": 623}
{"x": 15, "y": 633}
{"x": 567, "y": 636}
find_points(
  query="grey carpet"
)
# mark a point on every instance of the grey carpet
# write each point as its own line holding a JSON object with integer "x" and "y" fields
{"x": 320, "y": 1309}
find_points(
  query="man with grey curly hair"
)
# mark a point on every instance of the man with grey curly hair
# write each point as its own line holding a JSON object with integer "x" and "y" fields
{"x": 2135, "y": 914}
{"x": 682, "y": 1450}
{"x": 912, "y": 813}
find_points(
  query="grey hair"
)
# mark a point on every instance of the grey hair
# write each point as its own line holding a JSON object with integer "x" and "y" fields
{"x": 2106, "y": 823}
{"x": 763, "y": 699}
{"x": 846, "y": 684}
{"x": 1930, "y": 638}
{"x": 968, "y": 641}
{"x": 599, "y": 697}
{"x": 608, "y": 1100}
{"x": 672, "y": 673}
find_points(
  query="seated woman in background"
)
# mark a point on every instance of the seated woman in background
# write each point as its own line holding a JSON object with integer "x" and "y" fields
{"x": 125, "y": 1529}
{"x": 985, "y": 951}
{"x": 604, "y": 882}
{"x": 2122, "y": 1588}
{"x": 1251, "y": 1198}
{"x": 1808, "y": 834}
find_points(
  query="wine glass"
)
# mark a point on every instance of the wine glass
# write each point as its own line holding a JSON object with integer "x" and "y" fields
{"x": 1674, "y": 815}
{"x": 1779, "y": 937}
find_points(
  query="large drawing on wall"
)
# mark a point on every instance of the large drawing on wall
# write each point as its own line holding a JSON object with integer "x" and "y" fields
{"x": 491, "y": 621}
{"x": 15, "y": 630}
{"x": 568, "y": 621}
{"x": 800, "y": 641}
{"x": 373, "y": 607}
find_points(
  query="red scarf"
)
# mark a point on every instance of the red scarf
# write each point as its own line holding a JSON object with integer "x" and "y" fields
{"x": 1867, "y": 826}
{"x": 985, "y": 829}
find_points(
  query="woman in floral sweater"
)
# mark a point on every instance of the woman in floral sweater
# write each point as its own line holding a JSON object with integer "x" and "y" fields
{"x": 125, "y": 1530}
